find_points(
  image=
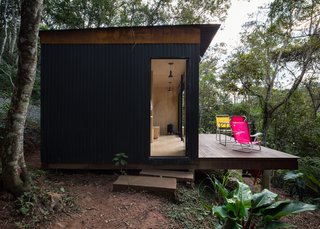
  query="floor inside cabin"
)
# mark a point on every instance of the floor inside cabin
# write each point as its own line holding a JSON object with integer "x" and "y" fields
{"x": 167, "y": 145}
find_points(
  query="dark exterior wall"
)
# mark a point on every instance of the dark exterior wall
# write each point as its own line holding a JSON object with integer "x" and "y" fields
{"x": 95, "y": 101}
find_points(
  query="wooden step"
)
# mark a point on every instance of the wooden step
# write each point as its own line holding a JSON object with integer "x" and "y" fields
{"x": 179, "y": 175}
{"x": 145, "y": 183}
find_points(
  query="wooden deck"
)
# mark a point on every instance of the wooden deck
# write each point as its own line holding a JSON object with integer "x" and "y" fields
{"x": 212, "y": 154}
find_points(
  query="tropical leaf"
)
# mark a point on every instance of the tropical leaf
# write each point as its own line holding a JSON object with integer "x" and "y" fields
{"x": 240, "y": 202}
{"x": 220, "y": 211}
{"x": 263, "y": 199}
{"x": 284, "y": 208}
{"x": 313, "y": 183}
{"x": 243, "y": 194}
{"x": 292, "y": 175}
{"x": 220, "y": 188}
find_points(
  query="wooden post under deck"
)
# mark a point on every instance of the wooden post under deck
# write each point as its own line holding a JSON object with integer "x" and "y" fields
{"x": 266, "y": 179}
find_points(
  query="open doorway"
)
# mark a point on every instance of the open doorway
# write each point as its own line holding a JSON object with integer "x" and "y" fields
{"x": 167, "y": 109}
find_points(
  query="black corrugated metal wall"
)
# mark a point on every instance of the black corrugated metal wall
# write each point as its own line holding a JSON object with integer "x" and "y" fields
{"x": 95, "y": 101}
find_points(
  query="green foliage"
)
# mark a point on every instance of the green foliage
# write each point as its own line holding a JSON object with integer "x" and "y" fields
{"x": 296, "y": 183}
{"x": 60, "y": 14}
{"x": 310, "y": 167}
{"x": 27, "y": 201}
{"x": 8, "y": 73}
{"x": 104, "y": 13}
{"x": 242, "y": 209}
{"x": 220, "y": 188}
{"x": 261, "y": 79}
{"x": 121, "y": 159}
{"x": 208, "y": 96}
{"x": 303, "y": 182}
{"x": 294, "y": 128}
{"x": 79, "y": 14}
{"x": 4, "y": 108}
{"x": 40, "y": 203}
{"x": 268, "y": 66}
{"x": 236, "y": 208}
{"x": 189, "y": 211}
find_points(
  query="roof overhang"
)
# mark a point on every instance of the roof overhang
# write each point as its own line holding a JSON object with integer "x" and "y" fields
{"x": 166, "y": 34}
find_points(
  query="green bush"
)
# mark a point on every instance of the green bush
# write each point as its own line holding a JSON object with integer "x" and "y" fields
{"x": 310, "y": 167}
{"x": 188, "y": 210}
{"x": 42, "y": 203}
{"x": 242, "y": 209}
{"x": 303, "y": 182}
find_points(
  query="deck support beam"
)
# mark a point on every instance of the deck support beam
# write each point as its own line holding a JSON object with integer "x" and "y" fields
{"x": 266, "y": 179}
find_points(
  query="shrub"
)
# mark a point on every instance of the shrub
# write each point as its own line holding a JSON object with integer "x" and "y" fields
{"x": 242, "y": 209}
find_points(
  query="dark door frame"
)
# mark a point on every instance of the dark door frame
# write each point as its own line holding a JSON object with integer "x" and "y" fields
{"x": 170, "y": 158}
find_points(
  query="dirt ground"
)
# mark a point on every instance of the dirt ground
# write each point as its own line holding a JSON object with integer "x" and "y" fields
{"x": 99, "y": 207}
{"x": 102, "y": 208}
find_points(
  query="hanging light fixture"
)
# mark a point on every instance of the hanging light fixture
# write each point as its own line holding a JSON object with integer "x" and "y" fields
{"x": 170, "y": 75}
{"x": 170, "y": 88}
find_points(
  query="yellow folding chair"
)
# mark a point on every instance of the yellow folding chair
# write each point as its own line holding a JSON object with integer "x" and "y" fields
{"x": 223, "y": 127}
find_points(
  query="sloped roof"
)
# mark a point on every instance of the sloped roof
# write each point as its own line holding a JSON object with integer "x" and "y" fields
{"x": 174, "y": 34}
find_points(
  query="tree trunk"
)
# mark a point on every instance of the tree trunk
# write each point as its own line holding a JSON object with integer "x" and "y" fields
{"x": 14, "y": 171}
{"x": 265, "y": 124}
{"x": 13, "y": 40}
{"x": 4, "y": 40}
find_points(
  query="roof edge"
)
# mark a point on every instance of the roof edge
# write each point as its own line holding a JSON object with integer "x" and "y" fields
{"x": 188, "y": 34}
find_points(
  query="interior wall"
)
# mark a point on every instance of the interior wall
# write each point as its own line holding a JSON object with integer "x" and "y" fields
{"x": 165, "y": 108}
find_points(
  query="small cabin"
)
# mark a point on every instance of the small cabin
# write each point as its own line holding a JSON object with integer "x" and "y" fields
{"x": 132, "y": 90}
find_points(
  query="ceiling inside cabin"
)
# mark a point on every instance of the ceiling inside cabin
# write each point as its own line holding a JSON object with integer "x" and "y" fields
{"x": 161, "y": 70}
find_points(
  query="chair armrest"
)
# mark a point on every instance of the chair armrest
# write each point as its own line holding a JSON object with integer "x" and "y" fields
{"x": 256, "y": 135}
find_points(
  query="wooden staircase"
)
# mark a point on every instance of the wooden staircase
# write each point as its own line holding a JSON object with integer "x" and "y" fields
{"x": 179, "y": 175}
{"x": 153, "y": 180}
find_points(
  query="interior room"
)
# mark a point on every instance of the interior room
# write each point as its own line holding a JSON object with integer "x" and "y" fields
{"x": 167, "y": 109}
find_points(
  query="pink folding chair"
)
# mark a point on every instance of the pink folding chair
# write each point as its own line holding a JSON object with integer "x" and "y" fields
{"x": 238, "y": 118}
{"x": 242, "y": 137}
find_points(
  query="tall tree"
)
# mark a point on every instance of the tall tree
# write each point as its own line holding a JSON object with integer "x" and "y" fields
{"x": 14, "y": 171}
{"x": 103, "y": 13}
{"x": 276, "y": 55}
{"x": 313, "y": 87}
{"x": 208, "y": 95}
{"x": 64, "y": 14}
{"x": 4, "y": 25}
{"x": 9, "y": 24}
